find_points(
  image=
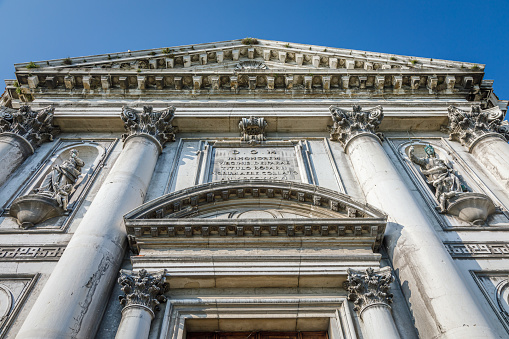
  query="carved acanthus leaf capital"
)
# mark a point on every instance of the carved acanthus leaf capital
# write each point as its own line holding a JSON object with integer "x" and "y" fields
{"x": 369, "y": 287}
{"x": 252, "y": 129}
{"x": 34, "y": 126}
{"x": 156, "y": 124}
{"x": 348, "y": 124}
{"x": 143, "y": 289}
{"x": 467, "y": 127}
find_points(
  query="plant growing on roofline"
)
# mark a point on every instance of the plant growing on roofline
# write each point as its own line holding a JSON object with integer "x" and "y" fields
{"x": 249, "y": 41}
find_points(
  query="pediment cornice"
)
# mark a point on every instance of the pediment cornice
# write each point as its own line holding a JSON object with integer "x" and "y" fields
{"x": 177, "y": 215}
{"x": 212, "y": 67}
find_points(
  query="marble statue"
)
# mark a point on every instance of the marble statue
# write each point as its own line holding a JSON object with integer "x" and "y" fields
{"x": 439, "y": 174}
{"x": 59, "y": 182}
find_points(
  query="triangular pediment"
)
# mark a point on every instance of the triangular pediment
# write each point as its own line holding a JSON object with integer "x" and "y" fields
{"x": 227, "y": 54}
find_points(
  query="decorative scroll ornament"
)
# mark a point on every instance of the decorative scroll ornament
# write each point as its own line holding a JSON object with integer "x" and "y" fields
{"x": 453, "y": 197}
{"x": 52, "y": 196}
{"x": 468, "y": 127}
{"x": 250, "y": 65}
{"x": 348, "y": 124}
{"x": 252, "y": 129}
{"x": 156, "y": 124}
{"x": 143, "y": 289}
{"x": 370, "y": 287}
{"x": 35, "y": 126}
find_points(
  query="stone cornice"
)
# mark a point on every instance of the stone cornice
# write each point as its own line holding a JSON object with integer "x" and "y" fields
{"x": 468, "y": 127}
{"x": 142, "y": 289}
{"x": 35, "y": 127}
{"x": 369, "y": 287}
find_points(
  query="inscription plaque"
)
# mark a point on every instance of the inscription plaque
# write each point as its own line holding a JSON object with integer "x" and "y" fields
{"x": 255, "y": 163}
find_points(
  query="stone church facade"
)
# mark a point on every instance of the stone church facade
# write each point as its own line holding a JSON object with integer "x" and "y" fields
{"x": 253, "y": 189}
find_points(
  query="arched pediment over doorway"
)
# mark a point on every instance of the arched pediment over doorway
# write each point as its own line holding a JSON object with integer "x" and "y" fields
{"x": 255, "y": 209}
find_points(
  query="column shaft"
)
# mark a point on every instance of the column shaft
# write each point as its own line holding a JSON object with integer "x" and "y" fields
{"x": 14, "y": 149}
{"x": 135, "y": 323}
{"x": 493, "y": 153}
{"x": 441, "y": 303}
{"x": 378, "y": 322}
{"x": 72, "y": 302}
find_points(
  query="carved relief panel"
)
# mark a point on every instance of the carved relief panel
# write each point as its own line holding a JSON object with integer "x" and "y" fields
{"x": 63, "y": 180}
{"x": 452, "y": 190}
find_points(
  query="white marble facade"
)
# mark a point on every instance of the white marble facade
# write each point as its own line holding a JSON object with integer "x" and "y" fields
{"x": 256, "y": 187}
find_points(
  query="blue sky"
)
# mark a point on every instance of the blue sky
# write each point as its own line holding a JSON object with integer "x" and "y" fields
{"x": 473, "y": 31}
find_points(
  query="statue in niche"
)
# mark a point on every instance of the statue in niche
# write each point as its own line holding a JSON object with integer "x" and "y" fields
{"x": 59, "y": 182}
{"x": 439, "y": 174}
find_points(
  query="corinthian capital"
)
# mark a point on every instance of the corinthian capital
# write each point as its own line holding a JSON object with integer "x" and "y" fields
{"x": 468, "y": 127}
{"x": 369, "y": 287}
{"x": 143, "y": 289}
{"x": 348, "y": 124}
{"x": 156, "y": 124}
{"x": 34, "y": 126}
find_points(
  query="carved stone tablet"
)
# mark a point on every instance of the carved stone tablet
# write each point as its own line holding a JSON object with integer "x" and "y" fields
{"x": 255, "y": 163}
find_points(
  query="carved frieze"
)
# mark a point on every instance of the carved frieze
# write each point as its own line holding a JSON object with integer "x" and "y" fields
{"x": 29, "y": 253}
{"x": 477, "y": 250}
{"x": 468, "y": 127}
{"x": 252, "y": 129}
{"x": 142, "y": 289}
{"x": 348, "y": 124}
{"x": 34, "y": 126}
{"x": 156, "y": 124}
{"x": 370, "y": 287}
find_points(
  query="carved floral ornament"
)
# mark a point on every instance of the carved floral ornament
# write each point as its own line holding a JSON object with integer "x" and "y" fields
{"x": 468, "y": 127}
{"x": 143, "y": 289}
{"x": 156, "y": 124}
{"x": 370, "y": 287}
{"x": 348, "y": 124}
{"x": 252, "y": 129}
{"x": 35, "y": 126}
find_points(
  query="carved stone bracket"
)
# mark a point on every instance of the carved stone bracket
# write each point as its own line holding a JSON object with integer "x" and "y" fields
{"x": 469, "y": 127}
{"x": 370, "y": 287}
{"x": 349, "y": 124}
{"x": 252, "y": 129}
{"x": 155, "y": 124}
{"x": 35, "y": 127}
{"x": 144, "y": 289}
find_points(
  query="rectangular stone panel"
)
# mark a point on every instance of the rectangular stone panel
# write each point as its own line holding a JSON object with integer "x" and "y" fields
{"x": 279, "y": 163}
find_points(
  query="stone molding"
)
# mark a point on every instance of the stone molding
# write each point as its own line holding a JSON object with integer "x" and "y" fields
{"x": 470, "y": 127}
{"x": 31, "y": 253}
{"x": 477, "y": 249}
{"x": 349, "y": 124}
{"x": 143, "y": 289}
{"x": 369, "y": 287}
{"x": 36, "y": 127}
{"x": 157, "y": 125}
{"x": 252, "y": 129}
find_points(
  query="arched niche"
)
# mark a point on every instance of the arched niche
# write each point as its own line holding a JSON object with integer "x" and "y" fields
{"x": 254, "y": 209}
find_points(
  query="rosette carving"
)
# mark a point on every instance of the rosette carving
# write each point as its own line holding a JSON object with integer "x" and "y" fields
{"x": 467, "y": 127}
{"x": 366, "y": 288}
{"x": 348, "y": 124}
{"x": 143, "y": 289}
{"x": 34, "y": 126}
{"x": 156, "y": 124}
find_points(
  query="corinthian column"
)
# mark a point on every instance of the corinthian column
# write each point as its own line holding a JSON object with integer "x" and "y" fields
{"x": 441, "y": 302}
{"x": 20, "y": 133}
{"x": 72, "y": 302}
{"x": 369, "y": 291}
{"x": 485, "y": 135}
{"x": 143, "y": 294}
